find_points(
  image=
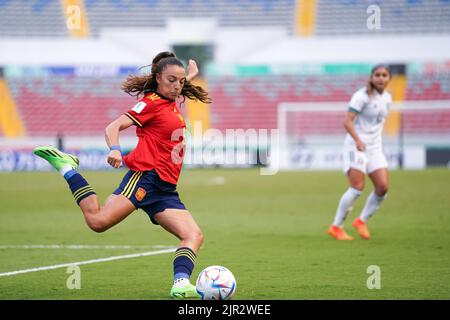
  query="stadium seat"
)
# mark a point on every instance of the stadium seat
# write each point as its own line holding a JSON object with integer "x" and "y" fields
{"x": 32, "y": 19}
{"x": 343, "y": 17}
{"x": 68, "y": 105}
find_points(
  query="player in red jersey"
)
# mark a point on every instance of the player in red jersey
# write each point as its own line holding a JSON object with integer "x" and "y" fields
{"x": 154, "y": 165}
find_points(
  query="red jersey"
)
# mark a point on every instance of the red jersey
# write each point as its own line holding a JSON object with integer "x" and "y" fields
{"x": 160, "y": 129}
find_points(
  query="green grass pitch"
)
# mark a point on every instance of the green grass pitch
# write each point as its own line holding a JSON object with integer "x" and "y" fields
{"x": 269, "y": 230}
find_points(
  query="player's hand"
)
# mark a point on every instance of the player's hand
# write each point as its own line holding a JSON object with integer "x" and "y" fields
{"x": 192, "y": 70}
{"x": 361, "y": 146}
{"x": 114, "y": 159}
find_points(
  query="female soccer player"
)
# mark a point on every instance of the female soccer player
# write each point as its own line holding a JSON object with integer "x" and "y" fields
{"x": 363, "y": 152}
{"x": 154, "y": 165}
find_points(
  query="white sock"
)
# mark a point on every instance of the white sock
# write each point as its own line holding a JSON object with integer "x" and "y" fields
{"x": 181, "y": 282}
{"x": 345, "y": 205}
{"x": 65, "y": 168}
{"x": 372, "y": 204}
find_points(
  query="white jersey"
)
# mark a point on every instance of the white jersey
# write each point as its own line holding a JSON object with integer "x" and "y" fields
{"x": 371, "y": 113}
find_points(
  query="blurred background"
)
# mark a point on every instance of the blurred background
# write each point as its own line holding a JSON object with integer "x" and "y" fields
{"x": 290, "y": 65}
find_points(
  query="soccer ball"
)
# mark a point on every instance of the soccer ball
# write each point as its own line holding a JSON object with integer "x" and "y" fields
{"x": 216, "y": 283}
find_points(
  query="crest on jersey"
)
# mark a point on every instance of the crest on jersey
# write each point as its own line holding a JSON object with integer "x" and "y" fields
{"x": 139, "y": 107}
{"x": 140, "y": 194}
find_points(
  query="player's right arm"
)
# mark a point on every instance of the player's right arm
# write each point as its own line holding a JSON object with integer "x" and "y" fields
{"x": 112, "y": 139}
{"x": 356, "y": 105}
{"x": 348, "y": 125}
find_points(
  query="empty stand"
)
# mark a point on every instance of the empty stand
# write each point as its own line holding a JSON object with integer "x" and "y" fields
{"x": 69, "y": 105}
{"x": 252, "y": 102}
{"x": 85, "y": 105}
{"x": 428, "y": 87}
{"x": 154, "y": 13}
{"x": 29, "y": 18}
{"x": 347, "y": 17}
{"x": 426, "y": 122}
{"x": 333, "y": 17}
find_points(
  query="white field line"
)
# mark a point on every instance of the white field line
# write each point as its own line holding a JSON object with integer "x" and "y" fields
{"x": 79, "y": 263}
{"x": 78, "y": 246}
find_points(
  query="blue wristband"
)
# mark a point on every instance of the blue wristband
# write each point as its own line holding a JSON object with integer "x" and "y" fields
{"x": 116, "y": 147}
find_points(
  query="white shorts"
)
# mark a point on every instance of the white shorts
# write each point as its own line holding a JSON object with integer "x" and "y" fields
{"x": 365, "y": 161}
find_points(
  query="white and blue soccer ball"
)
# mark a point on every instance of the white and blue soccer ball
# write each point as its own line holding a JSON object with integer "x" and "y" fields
{"x": 216, "y": 283}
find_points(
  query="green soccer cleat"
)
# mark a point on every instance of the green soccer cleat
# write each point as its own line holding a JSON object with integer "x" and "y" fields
{"x": 56, "y": 158}
{"x": 187, "y": 292}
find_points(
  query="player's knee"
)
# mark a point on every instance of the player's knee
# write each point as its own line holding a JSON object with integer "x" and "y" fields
{"x": 98, "y": 228}
{"x": 382, "y": 190}
{"x": 196, "y": 236}
{"x": 200, "y": 237}
{"x": 358, "y": 186}
{"x": 98, "y": 225}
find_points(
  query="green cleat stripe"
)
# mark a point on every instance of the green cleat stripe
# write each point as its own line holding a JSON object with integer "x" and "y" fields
{"x": 58, "y": 153}
{"x": 45, "y": 152}
{"x": 54, "y": 154}
{"x": 74, "y": 159}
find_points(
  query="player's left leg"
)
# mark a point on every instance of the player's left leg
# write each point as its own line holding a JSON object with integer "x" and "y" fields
{"x": 181, "y": 224}
{"x": 380, "y": 180}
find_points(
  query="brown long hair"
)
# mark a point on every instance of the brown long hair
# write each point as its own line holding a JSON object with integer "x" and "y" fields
{"x": 370, "y": 86}
{"x": 135, "y": 85}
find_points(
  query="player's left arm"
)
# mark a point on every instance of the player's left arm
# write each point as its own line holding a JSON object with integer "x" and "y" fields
{"x": 192, "y": 70}
{"x": 112, "y": 139}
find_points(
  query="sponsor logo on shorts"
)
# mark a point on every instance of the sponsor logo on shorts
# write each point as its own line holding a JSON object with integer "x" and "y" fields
{"x": 140, "y": 194}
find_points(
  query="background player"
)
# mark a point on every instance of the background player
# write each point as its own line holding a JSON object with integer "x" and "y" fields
{"x": 363, "y": 152}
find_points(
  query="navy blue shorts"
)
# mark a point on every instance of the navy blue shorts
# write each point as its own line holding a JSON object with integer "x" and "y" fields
{"x": 147, "y": 191}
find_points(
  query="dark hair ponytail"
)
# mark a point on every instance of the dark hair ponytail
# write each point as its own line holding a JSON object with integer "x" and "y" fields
{"x": 135, "y": 85}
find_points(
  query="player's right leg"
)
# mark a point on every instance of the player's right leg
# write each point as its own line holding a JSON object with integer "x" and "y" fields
{"x": 98, "y": 218}
{"x": 67, "y": 165}
{"x": 355, "y": 166}
{"x": 356, "y": 181}
{"x": 58, "y": 159}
